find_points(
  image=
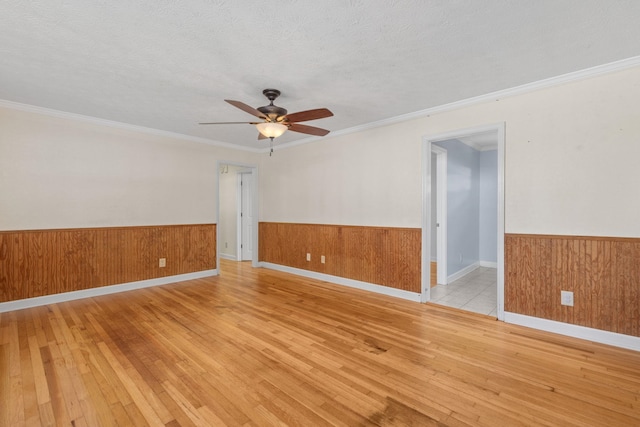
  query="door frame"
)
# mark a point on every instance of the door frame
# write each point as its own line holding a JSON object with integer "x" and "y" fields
{"x": 427, "y": 141}
{"x": 441, "y": 215}
{"x": 254, "y": 209}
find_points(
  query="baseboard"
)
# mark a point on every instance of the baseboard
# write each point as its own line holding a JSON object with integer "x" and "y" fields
{"x": 379, "y": 289}
{"x": 461, "y": 273}
{"x": 103, "y": 290}
{"x": 575, "y": 331}
{"x": 488, "y": 264}
{"x": 229, "y": 257}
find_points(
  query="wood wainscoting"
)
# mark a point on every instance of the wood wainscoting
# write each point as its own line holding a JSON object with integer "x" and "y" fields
{"x": 44, "y": 262}
{"x": 603, "y": 274}
{"x": 386, "y": 256}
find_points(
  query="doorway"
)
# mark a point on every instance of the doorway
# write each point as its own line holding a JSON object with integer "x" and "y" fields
{"x": 466, "y": 262}
{"x": 237, "y": 228}
{"x": 244, "y": 216}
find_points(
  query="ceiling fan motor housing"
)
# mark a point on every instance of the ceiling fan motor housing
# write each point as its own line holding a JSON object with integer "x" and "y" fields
{"x": 273, "y": 112}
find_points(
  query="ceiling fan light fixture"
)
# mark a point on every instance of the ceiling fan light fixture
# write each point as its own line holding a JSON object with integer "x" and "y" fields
{"x": 271, "y": 130}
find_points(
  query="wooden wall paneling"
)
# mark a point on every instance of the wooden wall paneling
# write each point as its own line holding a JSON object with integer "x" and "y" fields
{"x": 603, "y": 273}
{"x": 627, "y": 274}
{"x": 33, "y": 264}
{"x": 9, "y": 252}
{"x": 511, "y": 257}
{"x": 405, "y": 265}
{"x": 358, "y": 250}
{"x": 5, "y": 291}
{"x": 293, "y": 245}
{"x": 44, "y": 262}
{"x": 203, "y": 253}
{"x": 598, "y": 281}
{"x": 383, "y": 256}
{"x": 332, "y": 245}
{"x": 326, "y": 243}
{"x": 634, "y": 291}
{"x": 575, "y": 275}
{"x": 560, "y": 271}
{"x": 519, "y": 268}
{"x": 266, "y": 234}
{"x": 543, "y": 288}
{"x": 531, "y": 302}
{"x": 618, "y": 267}
{"x": 527, "y": 300}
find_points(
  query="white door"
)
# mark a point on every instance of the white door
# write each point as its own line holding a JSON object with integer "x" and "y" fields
{"x": 246, "y": 215}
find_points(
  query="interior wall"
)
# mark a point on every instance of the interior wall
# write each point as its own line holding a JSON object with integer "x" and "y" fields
{"x": 108, "y": 205}
{"x": 570, "y": 169}
{"x": 370, "y": 178}
{"x": 583, "y": 135}
{"x": 68, "y": 173}
{"x": 488, "y": 250}
{"x": 46, "y": 262}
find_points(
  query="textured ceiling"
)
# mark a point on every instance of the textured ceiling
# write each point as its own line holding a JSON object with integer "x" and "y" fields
{"x": 170, "y": 64}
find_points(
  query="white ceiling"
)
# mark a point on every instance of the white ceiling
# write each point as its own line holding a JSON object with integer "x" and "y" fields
{"x": 168, "y": 65}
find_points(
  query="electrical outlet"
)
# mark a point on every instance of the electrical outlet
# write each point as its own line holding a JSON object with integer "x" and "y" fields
{"x": 162, "y": 262}
{"x": 566, "y": 298}
{"x": 308, "y": 257}
{"x": 322, "y": 259}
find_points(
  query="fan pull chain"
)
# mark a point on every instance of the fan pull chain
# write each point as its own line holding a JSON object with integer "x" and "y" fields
{"x": 271, "y": 146}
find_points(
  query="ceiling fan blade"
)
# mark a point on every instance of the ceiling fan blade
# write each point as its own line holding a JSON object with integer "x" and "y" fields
{"x": 246, "y": 108}
{"x": 303, "y": 116}
{"x": 228, "y": 123}
{"x": 308, "y": 129}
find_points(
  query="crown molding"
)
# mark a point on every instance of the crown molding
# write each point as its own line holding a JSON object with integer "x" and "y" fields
{"x": 492, "y": 96}
{"x": 119, "y": 125}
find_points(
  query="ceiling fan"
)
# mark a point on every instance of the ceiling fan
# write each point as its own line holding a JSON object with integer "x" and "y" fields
{"x": 276, "y": 121}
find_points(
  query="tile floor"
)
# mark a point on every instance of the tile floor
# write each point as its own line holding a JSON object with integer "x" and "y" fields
{"x": 477, "y": 292}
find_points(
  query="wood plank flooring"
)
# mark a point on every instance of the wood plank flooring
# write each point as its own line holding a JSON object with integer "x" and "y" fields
{"x": 255, "y": 347}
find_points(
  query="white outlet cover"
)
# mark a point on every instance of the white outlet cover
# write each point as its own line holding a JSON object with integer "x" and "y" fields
{"x": 566, "y": 298}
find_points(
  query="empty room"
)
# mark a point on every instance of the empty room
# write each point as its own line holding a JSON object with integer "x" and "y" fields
{"x": 303, "y": 213}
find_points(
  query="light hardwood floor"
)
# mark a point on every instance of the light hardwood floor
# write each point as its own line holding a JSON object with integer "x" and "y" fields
{"x": 255, "y": 347}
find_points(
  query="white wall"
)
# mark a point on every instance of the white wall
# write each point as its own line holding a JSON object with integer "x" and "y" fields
{"x": 571, "y": 168}
{"x": 66, "y": 173}
{"x": 570, "y": 164}
{"x": 369, "y": 178}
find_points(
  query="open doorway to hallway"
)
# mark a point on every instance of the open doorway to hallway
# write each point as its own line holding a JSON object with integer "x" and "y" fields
{"x": 237, "y": 218}
{"x": 472, "y": 274}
